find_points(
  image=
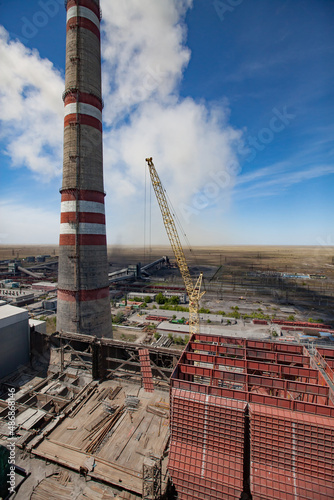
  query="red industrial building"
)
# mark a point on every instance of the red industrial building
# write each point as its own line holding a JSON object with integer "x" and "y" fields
{"x": 252, "y": 419}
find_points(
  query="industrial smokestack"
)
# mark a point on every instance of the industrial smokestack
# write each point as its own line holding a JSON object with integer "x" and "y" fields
{"x": 83, "y": 287}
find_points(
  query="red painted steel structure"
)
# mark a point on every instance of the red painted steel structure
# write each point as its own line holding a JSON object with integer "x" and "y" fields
{"x": 146, "y": 370}
{"x": 325, "y": 358}
{"x": 157, "y": 318}
{"x": 304, "y": 324}
{"x": 278, "y": 444}
{"x": 206, "y": 458}
{"x": 292, "y": 455}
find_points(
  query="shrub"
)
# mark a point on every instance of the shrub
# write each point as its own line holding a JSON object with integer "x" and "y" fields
{"x": 118, "y": 318}
{"x": 169, "y": 307}
{"x": 160, "y": 298}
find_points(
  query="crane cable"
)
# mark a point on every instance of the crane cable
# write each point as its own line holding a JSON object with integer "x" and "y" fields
{"x": 178, "y": 222}
{"x": 147, "y": 220}
{"x": 144, "y": 260}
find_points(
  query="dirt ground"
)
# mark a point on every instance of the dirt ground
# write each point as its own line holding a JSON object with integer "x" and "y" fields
{"x": 283, "y": 258}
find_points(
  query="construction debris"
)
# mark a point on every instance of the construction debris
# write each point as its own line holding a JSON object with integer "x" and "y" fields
{"x": 102, "y": 431}
{"x": 131, "y": 403}
{"x": 157, "y": 411}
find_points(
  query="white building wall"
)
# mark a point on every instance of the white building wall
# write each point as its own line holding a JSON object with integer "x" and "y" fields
{"x": 14, "y": 338}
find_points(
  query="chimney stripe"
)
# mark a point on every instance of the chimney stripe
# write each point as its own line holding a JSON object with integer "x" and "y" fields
{"x": 83, "y": 12}
{"x": 83, "y": 194}
{"x": 83, "y": 240}
{"x": 82, "y": 22}
{"x": 76, "y": 96}
{"x": 83, "y": 109}
{"x": 83, "y": 295}
{"x": 85, "y": 3}
{"x": 83, "y": 120}
{"x": 82, "y": 228}
{"x": 83, "y": 206}
{"x": 68, "y": 217}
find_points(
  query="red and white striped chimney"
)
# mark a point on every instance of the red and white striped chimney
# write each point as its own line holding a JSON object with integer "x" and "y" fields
{"x": 83, "y": 287}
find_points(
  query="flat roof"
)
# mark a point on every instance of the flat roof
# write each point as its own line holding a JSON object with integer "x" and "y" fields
{"x": 45, "y": 283}
{"x": 11, "y": 314}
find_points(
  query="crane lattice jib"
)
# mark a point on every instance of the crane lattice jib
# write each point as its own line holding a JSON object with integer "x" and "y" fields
{"x": 193, "y": 292}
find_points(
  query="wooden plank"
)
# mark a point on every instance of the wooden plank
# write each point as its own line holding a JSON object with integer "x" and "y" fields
{"x": 103, "y": 470}
{"x": 89, "y": 427}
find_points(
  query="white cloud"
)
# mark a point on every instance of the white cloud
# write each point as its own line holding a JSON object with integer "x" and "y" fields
{"x": 31, "y": 108}
{"x": 185, "y": 139}
{"x": 274, "y": 180}
{"x": 144, "y": 52}
{"x": 145, "y": 56}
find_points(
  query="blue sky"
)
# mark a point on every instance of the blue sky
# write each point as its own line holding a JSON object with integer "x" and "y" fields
{"x": 233, "y": 99}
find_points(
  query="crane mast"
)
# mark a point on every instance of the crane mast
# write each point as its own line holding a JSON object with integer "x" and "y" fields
{"x": 193, "y": 291}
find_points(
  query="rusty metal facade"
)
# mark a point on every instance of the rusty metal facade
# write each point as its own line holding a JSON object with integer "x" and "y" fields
{"x": 254, "y": 418}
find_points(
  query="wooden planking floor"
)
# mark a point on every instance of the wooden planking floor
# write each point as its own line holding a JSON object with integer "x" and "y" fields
{"x": 120, "y": 458}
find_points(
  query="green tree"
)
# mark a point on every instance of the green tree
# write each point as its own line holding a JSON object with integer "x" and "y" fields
{"x": 204, "y": 311}
{"x": 118, "y": 318}
{"x": 160, "y": 299}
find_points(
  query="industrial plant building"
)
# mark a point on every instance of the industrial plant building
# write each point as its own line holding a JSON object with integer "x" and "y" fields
{"x": 14, "y": 338}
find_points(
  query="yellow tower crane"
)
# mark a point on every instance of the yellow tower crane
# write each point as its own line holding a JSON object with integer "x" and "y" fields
{"x": 193, "y": 291}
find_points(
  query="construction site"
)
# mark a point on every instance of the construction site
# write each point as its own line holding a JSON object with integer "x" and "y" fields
{"x": 230, "y": 418}
{"x": 129, "y": 380}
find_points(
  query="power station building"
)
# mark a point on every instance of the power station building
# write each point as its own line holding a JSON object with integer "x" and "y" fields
{"x": 14, "y": 338}
{"x": 83, "y": 286}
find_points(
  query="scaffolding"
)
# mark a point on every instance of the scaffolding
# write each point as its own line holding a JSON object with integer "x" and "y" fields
{"x": 151, "y": 479}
